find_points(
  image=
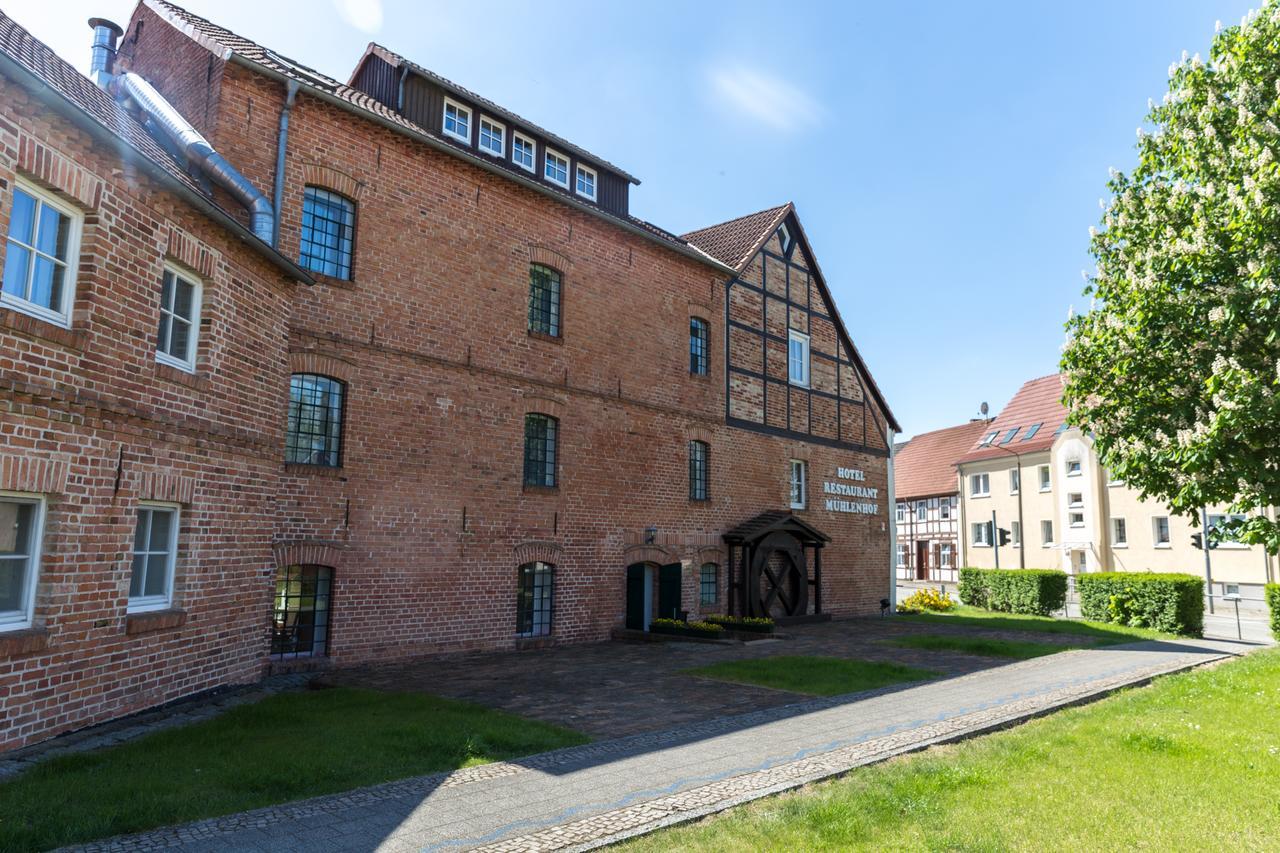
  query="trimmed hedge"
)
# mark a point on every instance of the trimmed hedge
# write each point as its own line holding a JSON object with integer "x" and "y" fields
{"x": 676, "y": 628}
{"x": 1173, "y": 603}
{"x": 751, "y": 624}
{"x": 1037, "y": 592}
{"x": 1273, "y": 603}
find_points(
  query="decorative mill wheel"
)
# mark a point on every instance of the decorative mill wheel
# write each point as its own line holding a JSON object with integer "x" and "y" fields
{"x": 783, "y": 582}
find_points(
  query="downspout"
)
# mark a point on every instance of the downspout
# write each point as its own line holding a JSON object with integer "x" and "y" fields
{"x": 282, "y": 143}
{"x": 893, "y": 528}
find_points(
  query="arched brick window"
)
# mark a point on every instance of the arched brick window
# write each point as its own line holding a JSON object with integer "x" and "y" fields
{"x": 698, "y": 345}
{"x": 544, "y": 300}
{"x": 300, "y": 620}
{"x": 534, "y": 599}
{"x": 699, "y": 471}
{"x": 541, "y": 438}
{"x": 328, "y": 232}
{"x": 709, "y": 584}
{"x": 313, "y": 435}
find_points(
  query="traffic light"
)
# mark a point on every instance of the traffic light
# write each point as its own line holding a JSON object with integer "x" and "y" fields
{"x": 1197, "y": 540}
{"x": 1002, "y": 536}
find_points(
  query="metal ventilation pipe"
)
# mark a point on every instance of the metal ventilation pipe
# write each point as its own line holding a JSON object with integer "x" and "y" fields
{"x": 106, "y": 34}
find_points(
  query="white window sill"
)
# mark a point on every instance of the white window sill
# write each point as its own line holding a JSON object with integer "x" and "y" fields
{"x": 1120, "y": 546}
{"x": 147, "y": 605}
{"x": 22, "y": 306}
{"x": 797, "y": 384}
{"x": 176, "y": 364}
{"x": 1164, "y": 546}
{"x": 1046, "y": 491}
{"x": 798, "y": 506}
{"x": 1232, "y": 546}
{"x": 980, "y": 545}
{"x": 1048, "y": 544}
{"x": 983, "y": 495}
{"x": 581, "y": 194}
{"x": 20, "y": 625}
{"x": 458, "y": 137}
{"x": 489, "y": 152}
{"x": 1077, "y": 527}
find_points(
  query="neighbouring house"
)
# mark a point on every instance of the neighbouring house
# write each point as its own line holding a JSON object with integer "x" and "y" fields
{"x": 394, "y": 372}
{"x": 928, "y": 502}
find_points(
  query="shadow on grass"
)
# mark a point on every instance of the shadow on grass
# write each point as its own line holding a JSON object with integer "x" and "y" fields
{"x": 1098, "y": 632}
{"x": 814, "y": 675}
{"x": 1017, "y": 649}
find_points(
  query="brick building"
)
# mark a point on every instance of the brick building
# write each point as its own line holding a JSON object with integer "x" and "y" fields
{"x": 506, "y": 413}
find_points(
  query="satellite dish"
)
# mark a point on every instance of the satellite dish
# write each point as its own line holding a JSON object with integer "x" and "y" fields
{"x": 983, "y": 409}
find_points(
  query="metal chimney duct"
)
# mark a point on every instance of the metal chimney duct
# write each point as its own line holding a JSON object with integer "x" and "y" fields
{"x": 106, "y": 34}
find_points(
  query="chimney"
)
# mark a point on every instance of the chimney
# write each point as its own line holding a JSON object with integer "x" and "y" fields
{"x": 105, "y": 36}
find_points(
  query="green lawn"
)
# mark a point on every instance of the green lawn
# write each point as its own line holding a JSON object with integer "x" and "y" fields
{"x": 820, "y": 676}
{"x": 1189, "y": 763}
{"x": 973, "y": 617}
{"x": 286, "y": 747}
{"x": 1020, "y": 649}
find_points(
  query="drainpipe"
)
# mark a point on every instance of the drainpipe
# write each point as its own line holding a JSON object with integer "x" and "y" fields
{"x": 891, "y": 495}
{"x": 281, "y": 143}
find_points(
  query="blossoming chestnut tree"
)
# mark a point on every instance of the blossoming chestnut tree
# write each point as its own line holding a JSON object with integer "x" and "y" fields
{"x": 1176, "y": 367}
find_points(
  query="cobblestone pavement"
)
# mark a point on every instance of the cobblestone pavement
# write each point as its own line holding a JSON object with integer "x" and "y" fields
{"x": 585, "y": 796}
{"x": 617, "y": 689}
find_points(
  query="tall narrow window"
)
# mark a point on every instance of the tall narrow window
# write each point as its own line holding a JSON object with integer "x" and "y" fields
{"x": 1045, "y": 482}
{"x": 300, "y": 623}
{"x": 155, "y": 551}
{"x": 944, "y": 509}
{"x": 179, "y": 319}
{"x": 544, "y": 300}
{"x": 39, "y": 265}
{"x": 708, "y": 584}
{"x": 457, "y": 121}
{"x": 902, "y": 512}
{"x": 799, "y": 483}
{"x": 555, "y": 168}
{"x": 798, "y": 358}
{"x": 945, "y": 555}
{"x": 1046, "y": 532}
{"x": 328, "y": 232}
{"x": 1015, "y": 480}
{"x": 21, "y": 523}
{"x": 540, "y": 450}
{"x": 533, "y": 601}
{"x": 979, "y": 485}
{"x": 1119, "y": 533}
{"x": 922, "y": 510}
{"x": 1015, "y": 532}
{"x": 522, "y": 148}
{"x": 1160, "y": 530}
{"x": 313, "y": 435}
{"x": 698, "y": 335}
{"x": 980, "y": 533}
{"x": 699, "y": 474}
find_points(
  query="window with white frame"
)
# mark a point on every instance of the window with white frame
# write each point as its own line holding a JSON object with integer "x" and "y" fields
{"x": 902, "y": 512}
{"x": 457, "y": 121}
{"x": 1075, "y": 499}
{"x": 555, "y": 168}
{"x": 799, "y": 483}
{"x": 980, "y": 534}
{"x": 1015, "y": 533}
{"x": 493, "y": 137}
{"x": 798, "y": 358}
{"x": 522, "y": 150}
{"x": 1075, "y": 519}
{"x": 922, "y": 510}
{"x": 40, "y": 255}
{"x": 586, "y": 182}
{"x": 155, "y": 552}
{"x": 944, "y": 509}
{"x": 903, "y": 550}
{"x": 1015, "y": 480}
{"x": 1046, "y": 532}
{"x": 1216, "y": 523}
{"x": 1046, "y": 483}
{"x": 180, "y": 296}
{"x": 21, "y": 531}
{"x": 1160, "y": 530}
{"x": 979, "y": 485}
{"x": 1119, "y": 533}
{"x": 1073, "y": 466}
{"x": 946, "y": 555}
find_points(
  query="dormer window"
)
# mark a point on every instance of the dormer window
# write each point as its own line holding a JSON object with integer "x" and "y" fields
{"x": 457, "y": 121}
{"x": 587, "y": 182}
{"x": 555, "y": 168}
{"x": 784, "y": 237}
{"x": 522, "y": 148}
{"x": 493, "y": 137}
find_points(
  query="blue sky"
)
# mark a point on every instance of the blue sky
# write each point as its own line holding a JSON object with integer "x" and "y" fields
{"x": 946, "y": 158}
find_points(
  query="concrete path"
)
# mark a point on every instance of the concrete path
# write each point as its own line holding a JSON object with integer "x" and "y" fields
{"x": 584, "y": 796}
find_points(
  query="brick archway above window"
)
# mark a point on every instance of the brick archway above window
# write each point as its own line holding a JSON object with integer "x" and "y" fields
{"x": 309, "y": 552}
{"x": 539, "y": 552}
{"x": 191, "y": 252}
{"x": 322, "y": 364}
{"x": 633, "y": 554}
{"x": 314, "y": 174}
{"x": 544, "y": 404}
{"x": 711, "y": 555}
{"x": 698, "y": 308}
{"x": 33, "y": 474}
{"x": 159, "y": 485}
{"x": 56, "y": 170}
{"x": 549, "y": 257}
{"x": 699, "y": 434}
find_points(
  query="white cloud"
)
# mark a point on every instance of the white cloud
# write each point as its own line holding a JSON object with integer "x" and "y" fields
{"x": 364, "y": 15}
{"x": 764, "y": 98}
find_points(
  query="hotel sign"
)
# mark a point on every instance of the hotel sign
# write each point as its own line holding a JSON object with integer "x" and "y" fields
{"x": 848, "y": 484}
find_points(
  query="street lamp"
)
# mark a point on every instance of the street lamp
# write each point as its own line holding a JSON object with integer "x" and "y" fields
{"x": 1022, "y": 531}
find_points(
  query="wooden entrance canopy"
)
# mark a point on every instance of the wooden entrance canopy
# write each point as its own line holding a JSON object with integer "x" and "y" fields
{"x": 759, "y": 584}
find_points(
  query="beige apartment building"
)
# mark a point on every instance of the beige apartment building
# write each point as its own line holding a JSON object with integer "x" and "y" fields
{"x": 1032, "y": 475}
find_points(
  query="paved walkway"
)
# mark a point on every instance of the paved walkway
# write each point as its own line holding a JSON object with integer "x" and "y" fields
{"x": 585, "y": 796}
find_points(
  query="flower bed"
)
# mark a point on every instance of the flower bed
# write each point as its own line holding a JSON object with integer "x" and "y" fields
{"x": 748, "y": 624}
{"x": 676, "y": 628}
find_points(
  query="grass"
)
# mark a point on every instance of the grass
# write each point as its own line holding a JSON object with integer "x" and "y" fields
{"x": 964, "y": 616}
{"x": 819, "y": 676}
{"x": 1190, "y": 763}
{"x": 1020, "y": 649}
{"x": 286, "y": 747}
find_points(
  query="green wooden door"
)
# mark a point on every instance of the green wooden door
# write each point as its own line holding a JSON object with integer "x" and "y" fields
{"x": 635, "y": 597}
{"x": 669, "y": 591}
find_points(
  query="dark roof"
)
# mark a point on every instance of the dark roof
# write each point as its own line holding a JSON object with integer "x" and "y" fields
{"x": 226, "y": 44}
{"x": 1038, "y": 401}
{"x": 735, "y": 243}
{"x": 92, "y": 104}
{"x": 772, "y": 520}
{"x": 486, "y": 105}
{"x": 926, "y": 465}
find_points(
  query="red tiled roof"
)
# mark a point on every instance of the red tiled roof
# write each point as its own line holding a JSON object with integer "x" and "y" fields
{"x": 735, "y": 243}
{"x": 1038, "y": 401}
{"x": 926, "y": 465}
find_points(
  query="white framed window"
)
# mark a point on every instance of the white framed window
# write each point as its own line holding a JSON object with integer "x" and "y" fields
{"x": 1231, "y": 589}
{"x": 798, "y": 358}
{"x": 902, "y": 554}
{"x": 155, "y": 554}
{"x": 990, "y": 437}
{"x": 922, "y": 510}
{"x": 21, "y": 536}
{"x": 555, "y": 168}
{"x": 1046, "y": 482}
{"x": 980, "y": 534}
{"x": 799, "y": 483}
{"x": 457, "y": 121}
{"x": 1119, "y": 533}
{"x": 493, "y": 137}
{"x": 177, "y": 340}
{"x": 1075, "y": 519}
{"x": 946, "y": 555}
{"x": 1075, "y": 499}
{"x": 1216, "y": 521}
{"x": 1046, "y": 532}
{"x": 979, "y": 485}
{"x": 944, "y": 509}
{"x": 1160, "y": 531}
{"x": 902, "y": 512}
{"x": 1015, "y": 480}
{"x": 40, "y": 255}
{"x": 1015, "y": 533}
{"x": 1073, "y": 466}
{"x": 522, "y": 150}
{"x": 585, "y": 184}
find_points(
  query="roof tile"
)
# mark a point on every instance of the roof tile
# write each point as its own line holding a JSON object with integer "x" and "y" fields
{"x": 1038, "y": 401}
{"x": 926, "y": 465}
{"x": 735, "y": 242}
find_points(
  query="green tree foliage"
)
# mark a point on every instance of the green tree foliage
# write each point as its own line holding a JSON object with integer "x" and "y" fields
{"x": 1175, "y": 368}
